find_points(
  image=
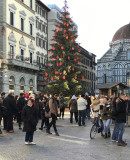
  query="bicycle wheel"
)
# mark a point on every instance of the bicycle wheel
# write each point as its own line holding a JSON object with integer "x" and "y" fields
{"x": 93, "y": 131}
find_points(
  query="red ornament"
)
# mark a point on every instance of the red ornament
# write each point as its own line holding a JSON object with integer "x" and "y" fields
{"x": 63, "y": 55}
{"x": 67, "y": 24}
{"x": 66, "y": 16}
{"x": 78, "y": 46}
{"x": 64, "y": 23}
{"x": 60, "y": 63}
{"x": 72, "y": 40}
{"x": 63, "y": 35}
{"x": 82, "y": 76}
{"x": 58, "y": 43}
{"x": 53, "y": 41}
{"x": 48, "y": 53}
{"x": 79, "y": 50}
{"x": 59, "y": 25}
{"x": 48, "y": 65}
{"x": 57, "y": 64}
{"x": 52, "y": 53}
{"x": 60, "y": 73}
{"x": 72, "y": 69}
{"x": 78, "y": 62}
{"x": 63, "y": 19}
{"x": 63, "y": 77}
{"x": 72, "y": 48}
{"x": 57, "y": 57}
{"x": 52, "y": 59}
{"x": 44, "y": 82}
{"x": 45, "y": 78}
{"x": 60, "y": 56}
{"x": 62, "y": 47}
{"x": 46, "y": 74}
{"x": 54, "y": 33}
{"x": 64, "y": 31}
{"x": 75, "y": 77}
{"x": 52, "y": 78}
{"x": 69, "y": 33}
{"x": 68, "y": 58}
{"x": 57, "y": 30}
{"x": 75, "y": 59}
{"x": 53, "y": 48}
{"x": 66, "y": 37}
{"x": 58, "y": 77}
{"x": 55, "y": 72}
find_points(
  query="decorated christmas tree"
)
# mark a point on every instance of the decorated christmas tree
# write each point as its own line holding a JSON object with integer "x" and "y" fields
{"x": 64, "y": 73}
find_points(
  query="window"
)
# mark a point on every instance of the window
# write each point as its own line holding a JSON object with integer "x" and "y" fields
{"x": 43, "y": 13}
{"x": 31, "y": 57}
{"x": 42, "y": 60}
{"x": 11, "y": 52}
{"x": 128, "y": 55}
{"x": 22, "y": 24}
{"x": 22, "y": 55}
{"x": 37, "y": 41}
{"x": 12, "y": 18}
{"x": 31, "y": 4}
{"x": 43, "y": 28}
{"x": 31, "y": 29}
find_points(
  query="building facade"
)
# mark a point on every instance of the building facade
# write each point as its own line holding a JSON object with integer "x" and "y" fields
{"x": 114, "y": 65}
{"x": 17, "y": 46}
{"x": 88, "y": 66}
{"x": 41, "y": 40}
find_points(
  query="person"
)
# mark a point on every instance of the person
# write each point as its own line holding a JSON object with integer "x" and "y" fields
{"x": 114, "y": 114}
{"x": 82, "y": 103}
{"x": 43, "y": 106}
{"x": 88, "y": 105}
{"x": 53, "y": 106}
{"x": 30, "y": 119}
{"x": 3, "y": 114}
{"x": 106, "y": 117}
{"x": 10, "y": 103}
{"x": 1, "y": 102}
{"x": 121, "y": 119}
{"x": 127, "y": 109}
{"x": 73, "y": 106}
{"x": 20, "y": 105}
{"x": 62, "y": 105}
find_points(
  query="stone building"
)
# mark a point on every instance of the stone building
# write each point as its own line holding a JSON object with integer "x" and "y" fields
{"x": 18, "y": 70}
{"x": 41, "y": 40}
{"x": 114, "y": 65}
{"x": 88, "y": 66}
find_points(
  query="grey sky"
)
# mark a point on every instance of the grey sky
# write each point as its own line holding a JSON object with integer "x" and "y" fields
{"x": 97, "y": 21}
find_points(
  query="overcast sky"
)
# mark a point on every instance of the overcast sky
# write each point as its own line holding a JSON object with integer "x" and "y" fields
{"x": 97, "y": 21}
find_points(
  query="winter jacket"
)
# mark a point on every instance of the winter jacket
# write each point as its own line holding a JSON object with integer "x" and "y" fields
{"x": 82, "y": 103}
{"x": 89, "y": 103}
{"x": 10, "y": 103}
{"x": 62, "y": 102}
{"x": 107, "y": 111}
{"x": 30, "y": 118}
{"x": 121, "y": 111}
{"x": 95, "y": 106}
{"x": 53, "y": 106}
{"x": 21, "y": 104}
{"x": 73, "y": 105}
{"x": 0, "y": 112}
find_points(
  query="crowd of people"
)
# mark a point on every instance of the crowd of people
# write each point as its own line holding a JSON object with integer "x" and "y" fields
{"x": 27, "y": 109}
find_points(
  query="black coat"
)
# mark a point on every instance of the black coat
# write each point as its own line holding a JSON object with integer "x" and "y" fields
{"x": 30, "y": 118}
{"x": 121, "y": 111}
{"x": 21, "y": 104}
{"x": 10, "y": 103}
{"x": 0, "y": 112}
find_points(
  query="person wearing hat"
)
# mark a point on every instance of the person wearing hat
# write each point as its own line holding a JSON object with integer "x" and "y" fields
{"x": 73, "y": 109}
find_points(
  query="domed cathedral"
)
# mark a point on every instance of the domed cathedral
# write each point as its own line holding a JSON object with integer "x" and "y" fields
{"x": 114, "y": 65}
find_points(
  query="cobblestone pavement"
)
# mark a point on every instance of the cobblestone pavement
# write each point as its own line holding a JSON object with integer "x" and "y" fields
{"x": 72, "y": 144}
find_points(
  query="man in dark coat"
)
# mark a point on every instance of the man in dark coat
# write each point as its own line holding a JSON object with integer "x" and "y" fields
{"x": 10, "y": 103}
{"x": 121, "y": 119}
{"x": 20, "y": 105}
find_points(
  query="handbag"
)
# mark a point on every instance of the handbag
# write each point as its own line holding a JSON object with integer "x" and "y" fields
{"x": 47, "y": 114}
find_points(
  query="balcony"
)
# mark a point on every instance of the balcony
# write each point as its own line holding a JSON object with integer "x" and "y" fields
{"x": 24, "y": 63}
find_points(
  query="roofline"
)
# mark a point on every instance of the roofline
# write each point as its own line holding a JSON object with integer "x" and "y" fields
{"x": 43, "y": 5}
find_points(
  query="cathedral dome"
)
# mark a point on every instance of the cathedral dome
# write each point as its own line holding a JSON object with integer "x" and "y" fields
{"x": 122, "y": 33}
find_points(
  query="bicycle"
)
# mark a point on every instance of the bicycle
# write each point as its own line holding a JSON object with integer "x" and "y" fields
{"x": 97, "y": 127}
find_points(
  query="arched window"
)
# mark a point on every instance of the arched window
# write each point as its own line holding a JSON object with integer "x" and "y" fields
{"x": 31, "y": 84}
{"x": 11, "y": 83}
{"x": 22, "y": 84}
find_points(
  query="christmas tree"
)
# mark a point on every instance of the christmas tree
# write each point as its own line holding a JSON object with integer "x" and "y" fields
{"x": 64, "y": 73}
